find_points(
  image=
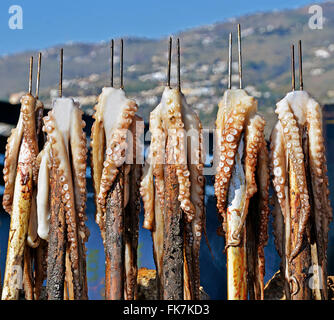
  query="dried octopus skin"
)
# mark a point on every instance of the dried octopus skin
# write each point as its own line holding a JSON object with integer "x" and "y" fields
{"x": 43, "y": 188}
{"x": 32, "y": 237}
{"x": 148, "y": 196}
{"x": 240, "y": 107}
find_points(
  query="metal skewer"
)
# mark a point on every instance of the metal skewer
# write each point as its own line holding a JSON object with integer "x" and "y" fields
{"x": 240, "y": 56}
{"x": 61, "y": 66}
{"x": 121, "y": 64}
{"x": 169, "y": 61}
{"x": 112, "y": 63}
{"x": 38, "y": 74}
{"x": 30, "y": 73}
{"x": 293, "y": 83}
{"x": 301, "y": 81}
{"x": 229, "y": 85}
{"x": 178, "y": 65}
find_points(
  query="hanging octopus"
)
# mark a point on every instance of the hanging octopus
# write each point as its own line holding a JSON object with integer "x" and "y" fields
{"x": 61, "y": 200}
{"x": 241, "y": 188}
{"x": 116, "y": 177}
{"x": 174, "y": 119}
{"x": 299, "y": 171}
{"x": 26, "y": 251}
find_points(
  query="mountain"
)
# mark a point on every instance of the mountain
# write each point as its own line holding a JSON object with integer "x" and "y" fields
{"x": 266, "y": 64}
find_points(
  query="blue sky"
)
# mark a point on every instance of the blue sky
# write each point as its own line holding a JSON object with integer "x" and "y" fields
{"x": 50, "y": 22}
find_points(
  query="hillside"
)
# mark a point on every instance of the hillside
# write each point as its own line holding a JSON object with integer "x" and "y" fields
{"x": 266, "y": 56}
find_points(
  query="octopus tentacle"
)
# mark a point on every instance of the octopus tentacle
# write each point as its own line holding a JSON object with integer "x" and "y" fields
{"x": 58, "y": 127}
{"x": 153, "y": 168}
{"x": 173, "y": 123}
{"x": 97, "y": 157}
{"x": 231, "y": 129}
{"x": 78, "y": 147}
{"x": 263, "y": 207}
{"x": 147, "y": 193}
{"x": 196, "y": 159}
{"x": 295, "y": 152}
{"x": 318, "y": 168}
{"x": 254, "y": 141}
{"x": 116, "y": 134}
{"x": 11, "y": 157}
{"x": 28, "y": 103}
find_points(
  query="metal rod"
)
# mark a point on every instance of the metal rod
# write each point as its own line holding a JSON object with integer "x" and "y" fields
{"x": 61, "y": 66}
{"x": 112, "y": 63}
{"x": 38, "y": 74}
{"x": 301, "y": 80}
{"x": 169, "y": 61}
{"x": 229, "y": 86}
{"x": 178, "y": 65}
{"x": 240, "y": 56}
{"x": 30, "y": 73}
{"x": 293, "y": 81}
{"x": 121, "y": 64}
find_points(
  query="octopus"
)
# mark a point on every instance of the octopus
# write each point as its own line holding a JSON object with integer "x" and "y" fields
{"x": 242, "y": 191}
{"x": 302, "y": 210}
{"x": 62, "y": 193}
{"x": 26, "y": 250}
{"x": 176, "y": 140}
{"x": 116, "y": 178}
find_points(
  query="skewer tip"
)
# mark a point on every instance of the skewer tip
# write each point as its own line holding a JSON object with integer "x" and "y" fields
{"x": 61, "y": 72}
{"x": 178, "y": 64}
{"x": 31, "y": 62}
{"x": 38, "y": 73}
{"x": 121, "y": 64}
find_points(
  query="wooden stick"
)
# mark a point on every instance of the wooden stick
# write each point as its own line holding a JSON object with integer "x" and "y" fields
{"x": 299, "y": 267}
{"x": 57, "y": 241}
{"x": 173, "y": 232}
{"x": 114, "y": 242}
{"x": 236, "y": 255}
